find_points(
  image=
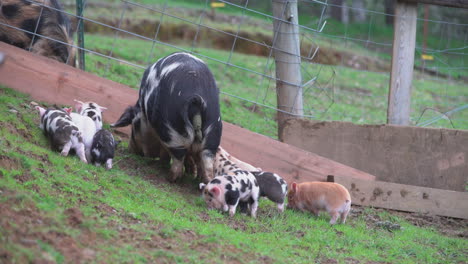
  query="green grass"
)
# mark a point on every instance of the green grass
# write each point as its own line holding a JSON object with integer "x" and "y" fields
{"x": 149, "y": 220}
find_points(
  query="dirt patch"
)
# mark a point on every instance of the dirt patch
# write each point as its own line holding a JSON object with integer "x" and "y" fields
{"x": 74, "y": 217}
{"x": 9, "y": 163}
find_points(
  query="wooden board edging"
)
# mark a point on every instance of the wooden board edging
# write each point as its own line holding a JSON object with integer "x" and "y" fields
{"x": 407, "y": 198}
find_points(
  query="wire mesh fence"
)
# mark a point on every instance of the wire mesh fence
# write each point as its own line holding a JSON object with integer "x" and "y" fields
{"x": 345, "y": 66}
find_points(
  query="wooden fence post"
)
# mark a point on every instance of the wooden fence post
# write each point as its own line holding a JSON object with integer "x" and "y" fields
{"x": 287, "y": 54}
{"x": 404, "y": 42}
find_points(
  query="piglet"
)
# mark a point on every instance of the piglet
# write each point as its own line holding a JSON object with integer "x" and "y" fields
{"x": 87, "y": 127}
{"x": 92, "y": 110}
{"x": 62, "y": 132}
{"x": 226, "y": 191}
{"x": 102, "y": 149}
{"x": 321, "y": 196}
{"x": 272, "y": 186}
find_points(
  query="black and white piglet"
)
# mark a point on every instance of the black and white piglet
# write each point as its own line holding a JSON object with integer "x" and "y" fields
{"x": 102, "y": 149}
{"x": 273, "y": 187}
{"x": 226, "y": 191}
{"x": 62, "y": 132}
{"x": 92, "y": 110}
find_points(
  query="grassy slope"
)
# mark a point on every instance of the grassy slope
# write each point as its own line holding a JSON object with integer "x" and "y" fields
{"x": 59, "y": 209}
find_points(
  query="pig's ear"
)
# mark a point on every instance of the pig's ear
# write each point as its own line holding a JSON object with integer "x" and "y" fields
{"x": 215, "y": 191}
{"x": 294, "y": 187}
{"x": 202, "y": 186}
{"x": 68, "y": 110}
{"x": 78, "y": 105}
{"x": 41, "y": 110}
{"x": 102, "y": 108}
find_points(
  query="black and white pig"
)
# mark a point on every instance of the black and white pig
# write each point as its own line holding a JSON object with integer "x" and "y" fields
{"x": 226, "y": 191}
{"x": 273, "y": 187}
{"x": 62, "y": 132}
{"x": 103, "y": 147}
{"x": 178, "y": 108}
{"x": 92, "y": 110}
{"x": 271, "y": 184}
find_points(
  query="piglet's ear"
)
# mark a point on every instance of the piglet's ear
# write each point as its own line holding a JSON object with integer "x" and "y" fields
{"x": 68, "y": 109}
{"x": 78, "y": 105}
{"x": 102, "y": 108}
{"x": 41, "y": 110}
{"x": 202, "y": 186}
{"x": 215, "y": 191}
{"x": 294, "y": 187}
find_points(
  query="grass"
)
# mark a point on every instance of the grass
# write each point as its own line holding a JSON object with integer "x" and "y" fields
{"x": 56, "y": 208}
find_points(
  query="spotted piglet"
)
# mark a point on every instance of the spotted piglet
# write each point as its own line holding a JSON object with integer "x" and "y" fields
{"x": 62, "y": 132}
{"x": 321, "y": 196}
{"x": 92, "y": 110}
{"x": 87, "y": 127}
{"x": 102, "y": 149}
{"x": 273, "y": 187}
{"x": 226, "y": 191}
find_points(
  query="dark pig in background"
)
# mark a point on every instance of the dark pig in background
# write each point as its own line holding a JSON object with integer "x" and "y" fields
{"x": 62, "y": 132}
{"x": 177, "y": 112}
{"x": 38, "y": 26}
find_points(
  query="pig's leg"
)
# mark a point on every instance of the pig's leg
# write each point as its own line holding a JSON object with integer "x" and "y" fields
{"x": 207, "y": 162}
{"x": 176, "y": 169}
{"x": 80, "y": 152}
{"x": 343, "y": 216}
{"x": 334, "y": 216}
{"x": 253, "y": 207}
{"x": 66, "y": 148}
{"x": 177, "y": 166}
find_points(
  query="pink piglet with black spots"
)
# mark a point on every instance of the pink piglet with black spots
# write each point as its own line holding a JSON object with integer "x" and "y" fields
{"x": 320, "y": 196}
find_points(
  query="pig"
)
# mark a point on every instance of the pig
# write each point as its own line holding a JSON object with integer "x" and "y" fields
{"x": 38, "y": 26}
{"x": 87, "y": 128}
{"x": 92, "y": 110}
{"x": 177, "y": 114}
{"x": 222, "y": 156}
{"x": 273, "y": 187}
{"x": 320, "y": 196}
{"x": 226, "y": 191}
{"x": 102, "y": 149}
{"x": 62, "y": 132}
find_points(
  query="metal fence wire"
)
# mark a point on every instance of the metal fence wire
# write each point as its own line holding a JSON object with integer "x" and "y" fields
{"x": 122, "y": 38}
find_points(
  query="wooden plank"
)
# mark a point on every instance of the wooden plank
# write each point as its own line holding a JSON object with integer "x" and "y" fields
{"x": 292, "y": 163}
{"x": 448, "y": 3}
{"x": 401, "y": 76}
{"x": 427, "y": 157}
{"x": 54, "y": 82}
{"x": 406, "y": 197}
